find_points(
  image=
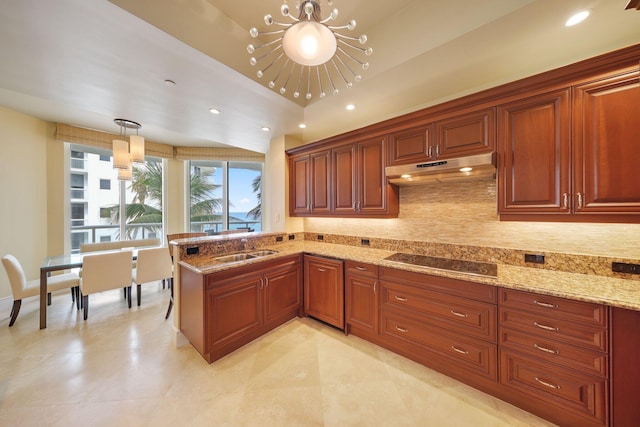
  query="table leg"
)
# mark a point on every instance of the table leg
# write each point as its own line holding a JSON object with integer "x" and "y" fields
{"x": 43, "y": 299}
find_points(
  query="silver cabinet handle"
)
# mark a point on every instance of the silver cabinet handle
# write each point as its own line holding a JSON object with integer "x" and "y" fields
{"x": 456, "y": 313}
{"x": 321, "y": 270}
{"x": 579, "y": 200}
{"x": 261, "y": 284}
{"x": 429, "y": 151}
{"x": 546, "y": 350}
{"x": 403, "y": 299}
{"x": 545, "y": 327}
{"x": 546, "y": 384}
{"x": 361, "y": 268}
{"x": 374, "y": 287}
{"x": 266, "y": 282}
{"x": 565, "y": 201}
{"x": 457, "y": 350}
{"x": 545, "y": 304}
{"x": 403, "y": 330}
{"x": 437, "y": 150}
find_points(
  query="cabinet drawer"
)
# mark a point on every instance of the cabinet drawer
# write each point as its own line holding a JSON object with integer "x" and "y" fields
{"x": 361, "y": 269}
{"x": 580, "y": 394}
{"x": 548, "y": 306}
{"x": 475, "y": 355}
{"x": 554, "y": 329}
{"x": 445, "y": 285}
{"x": 587, "y": 361}
{"x": 454, "y": 313}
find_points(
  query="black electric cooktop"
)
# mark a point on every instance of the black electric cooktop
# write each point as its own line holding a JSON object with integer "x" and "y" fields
{"x": 457, "y": 265}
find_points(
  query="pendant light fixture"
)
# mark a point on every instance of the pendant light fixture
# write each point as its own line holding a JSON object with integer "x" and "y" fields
{"x": 307, "y": 54}
{"x": 125, "y": 153}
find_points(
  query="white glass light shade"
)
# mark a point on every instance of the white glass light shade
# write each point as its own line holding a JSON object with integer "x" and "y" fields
{"x": 126, "y": 174}
{"x": 137, "y": 148}
{"x": 121, "y": 158}
{"x": 309, "y": 43}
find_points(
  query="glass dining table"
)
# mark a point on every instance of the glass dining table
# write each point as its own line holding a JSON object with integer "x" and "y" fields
{"x": 64, "y": 262}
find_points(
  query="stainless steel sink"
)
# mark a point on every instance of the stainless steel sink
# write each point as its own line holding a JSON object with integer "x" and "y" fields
{"x": 235, "y": 257}
{"x": 264, "y": 252}
{"x": 245, "y": 256}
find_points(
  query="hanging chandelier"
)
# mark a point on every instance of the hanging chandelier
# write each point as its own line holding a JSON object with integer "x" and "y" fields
{"x": 126, "y": 153}
{"x": 307, "y": 55}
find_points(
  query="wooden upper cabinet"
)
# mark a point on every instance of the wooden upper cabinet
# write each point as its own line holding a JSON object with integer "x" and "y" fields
{"x": 534, "y": 154}
{"x": 299, "y": 191}
{"x": 309, "y": 183}
{"x": 411, "y": 145}
{"x": 465, "y": 135}
{"x": 607, "y": 145}
{"x": 359, "y": 185}
{"x": 460, "y": 135}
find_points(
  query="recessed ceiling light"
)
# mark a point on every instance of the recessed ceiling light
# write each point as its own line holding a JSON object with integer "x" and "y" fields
{"x": 466, "y": 169}
{"x": 350, "y": 107}
{"x": 266, "y": 128}
{"x": 302, "y": 126}
{"x": 214, "y": 111}
{"x": 577, "y": 18}
{"x": 169, "y": 82}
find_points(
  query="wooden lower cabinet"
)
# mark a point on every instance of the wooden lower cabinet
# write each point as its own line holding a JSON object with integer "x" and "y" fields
{"x": 221, "y": 312}
{"x": 324, "y": 289}
{"x": 361, "y": 299}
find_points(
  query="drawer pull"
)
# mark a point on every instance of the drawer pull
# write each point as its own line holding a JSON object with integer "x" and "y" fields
{"x": 361, "y": 268}
{"x": 457, "y": 350}
{"x": 404, "y": 330}
{"x": 545, "y": 327}
{"x": 456, "y": 313}
{"x": 546, "y": 384}
{"x": 321, "y": 270}
{"x": 545, "y": 304}
{"x": 403, "y": 299}
{"x": 546, "y": 350}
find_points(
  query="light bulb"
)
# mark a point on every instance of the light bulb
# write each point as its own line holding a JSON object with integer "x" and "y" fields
{"x": 309, "y": 43}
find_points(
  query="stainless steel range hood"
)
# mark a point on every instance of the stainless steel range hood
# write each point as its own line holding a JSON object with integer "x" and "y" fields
{"x": 449, "y": 170}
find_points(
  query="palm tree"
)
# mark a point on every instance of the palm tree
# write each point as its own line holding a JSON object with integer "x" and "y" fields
{"x": 256, "y": 186}
{"x": 146, "y": 205}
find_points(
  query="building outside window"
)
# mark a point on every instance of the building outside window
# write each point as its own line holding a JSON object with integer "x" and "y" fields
{"x": 95, "y": 202}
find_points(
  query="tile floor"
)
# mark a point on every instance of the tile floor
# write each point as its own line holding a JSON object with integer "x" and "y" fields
{"x": 121, "y": 368}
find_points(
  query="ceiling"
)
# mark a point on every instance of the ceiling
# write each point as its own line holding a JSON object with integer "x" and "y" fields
{"x": 86, "y": 62}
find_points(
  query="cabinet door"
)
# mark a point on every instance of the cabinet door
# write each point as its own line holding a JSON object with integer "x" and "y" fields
{"x": 372, "y": 183}
{"x": 319, "y": 182}
{"x": 282, "y": 293}
{"x": 233, "y": 310}
{"x": 361, "y": 304}
{"x": 344, "y": 179}
{"x": 607, "y": 145}
{"x": 324, "y": 290}
{"x": 299, "y": 190}
{"x": 411, "y": 145}
{"x": 465, "y": 135}
{"x": 534, "y": 155}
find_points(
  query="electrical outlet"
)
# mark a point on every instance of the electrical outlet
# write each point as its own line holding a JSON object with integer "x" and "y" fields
{"x": 279, "y": 239}
{"x": 623, "y": 267}
{"x": 320, "y": 237}
{"x": 534, "y": 258}
{"x": 292, "y": 236}
{"x": 193, "y": 250}
{"x": 364, "y": 242}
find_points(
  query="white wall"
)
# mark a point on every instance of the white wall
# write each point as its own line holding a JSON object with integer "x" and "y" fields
{"x": 23, "y": 192}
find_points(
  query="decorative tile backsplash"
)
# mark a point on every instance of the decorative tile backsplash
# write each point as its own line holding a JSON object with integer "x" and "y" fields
{"x": 442, "y": 218}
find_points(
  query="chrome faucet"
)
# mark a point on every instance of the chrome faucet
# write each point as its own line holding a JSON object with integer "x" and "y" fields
{"x": 244, "y": 244}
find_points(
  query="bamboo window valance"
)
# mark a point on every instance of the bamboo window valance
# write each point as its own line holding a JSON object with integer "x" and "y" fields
{"x": 104, "y": 140}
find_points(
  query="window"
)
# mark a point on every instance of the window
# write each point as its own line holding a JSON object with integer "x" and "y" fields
{"x": 225, "y": 196}
{"x": 97, "y": 216}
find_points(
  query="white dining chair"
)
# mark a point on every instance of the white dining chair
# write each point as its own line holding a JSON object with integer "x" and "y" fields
{"x": 152, "y": 265}
{"x": 103, "y": 272}
{"x": 22, "y": 288}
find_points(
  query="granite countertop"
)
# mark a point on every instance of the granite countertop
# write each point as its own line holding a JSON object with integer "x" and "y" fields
{"x": 584, "y": 287}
